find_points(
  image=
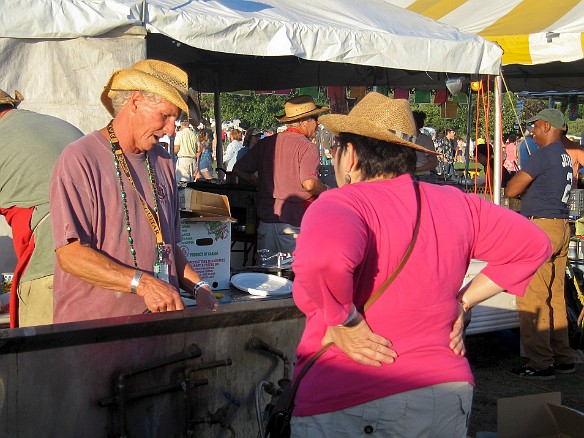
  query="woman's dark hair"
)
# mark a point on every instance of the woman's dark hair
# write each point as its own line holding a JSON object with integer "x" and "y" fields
{"x": 378, "y": 157}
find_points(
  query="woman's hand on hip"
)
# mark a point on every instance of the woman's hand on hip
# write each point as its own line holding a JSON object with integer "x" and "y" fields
{"x": 457, "y": 334}
{"x": 361, "y": 344}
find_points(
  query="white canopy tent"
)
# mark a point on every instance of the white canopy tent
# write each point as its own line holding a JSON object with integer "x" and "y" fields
{"x": 60, "y": 53}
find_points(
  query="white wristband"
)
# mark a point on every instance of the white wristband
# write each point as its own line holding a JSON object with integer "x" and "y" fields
{"x": 135, "y": 282}
{"x": 199, "y": 285}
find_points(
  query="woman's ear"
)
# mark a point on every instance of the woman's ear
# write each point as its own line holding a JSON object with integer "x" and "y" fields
{"x": 351, "y": 157}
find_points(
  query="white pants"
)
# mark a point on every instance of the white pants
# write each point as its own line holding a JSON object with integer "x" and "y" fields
{"x": 438, "y": 411}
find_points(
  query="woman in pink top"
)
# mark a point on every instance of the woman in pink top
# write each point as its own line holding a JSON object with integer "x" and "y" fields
{"x": 399, "y": 368}
{"x": 511, "y": 154}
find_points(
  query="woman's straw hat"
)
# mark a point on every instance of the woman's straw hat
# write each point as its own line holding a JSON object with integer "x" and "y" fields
{"x": 378, "y": 116}
{"x": 158, "y": 77}
{"x": 5, "y": 98}
{"x": 300, "y": 107}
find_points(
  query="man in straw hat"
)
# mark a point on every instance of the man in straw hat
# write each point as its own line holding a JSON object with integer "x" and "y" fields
{"x": 30, "y": 144}
{"x": 287, "y": 180}
{"x": 545, "y": 182}
{"x": 379, "y": 257}
{"x": 115, "y": 205}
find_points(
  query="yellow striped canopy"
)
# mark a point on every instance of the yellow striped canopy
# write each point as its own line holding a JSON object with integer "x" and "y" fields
{"x": 529, "y": 31}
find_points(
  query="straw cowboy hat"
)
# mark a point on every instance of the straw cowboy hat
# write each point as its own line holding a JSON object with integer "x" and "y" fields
{"x": 158, "y": 77}
{"x": 5, "y": 98}
{"x": 378, "y": 116}
{"x": 298, "y": 108}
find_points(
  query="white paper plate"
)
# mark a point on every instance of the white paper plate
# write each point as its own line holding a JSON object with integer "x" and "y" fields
{"x": 263, "y": 285}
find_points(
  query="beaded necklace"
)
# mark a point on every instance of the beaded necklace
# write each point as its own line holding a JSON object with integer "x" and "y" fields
{"x": 119, "y": 156}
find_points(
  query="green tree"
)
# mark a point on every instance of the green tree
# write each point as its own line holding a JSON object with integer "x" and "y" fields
{"x": 254, "y": 110}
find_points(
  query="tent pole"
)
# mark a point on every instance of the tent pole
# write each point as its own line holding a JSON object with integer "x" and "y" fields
{"x": 498, "y": 141}
{"x": 467, "y": 149}
{"x": 218, "y": 123}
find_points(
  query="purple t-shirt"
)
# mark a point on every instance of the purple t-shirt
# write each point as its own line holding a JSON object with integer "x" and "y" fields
{"x": 282, "y": 161}
{"x": 352, "y": 239}
{"x": 86, "y": 205}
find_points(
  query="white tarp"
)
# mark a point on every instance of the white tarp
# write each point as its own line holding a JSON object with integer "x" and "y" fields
{"x": 64, "y": 77}
{"x": 365, "y": 32}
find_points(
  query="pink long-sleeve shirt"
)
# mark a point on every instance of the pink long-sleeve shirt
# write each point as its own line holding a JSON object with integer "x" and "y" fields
{"x": 352, "y": 239}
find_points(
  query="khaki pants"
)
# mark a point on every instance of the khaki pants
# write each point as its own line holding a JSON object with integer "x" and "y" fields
{"x": 35, "y": 302}
{"x": 440, "y": 411}
{"x": 543, "y": 320}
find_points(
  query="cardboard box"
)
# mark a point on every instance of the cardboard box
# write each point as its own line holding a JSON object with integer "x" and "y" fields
{"x": 538, "y": 416}
{"x": 206, "y": 236}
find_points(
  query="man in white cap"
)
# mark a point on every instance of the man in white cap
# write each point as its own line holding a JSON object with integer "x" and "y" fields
{"x": 30, "y": 144}
{"x": 115, "y": 205}
{"x": 545, "y": 182}
{"x": 287, "y": 165}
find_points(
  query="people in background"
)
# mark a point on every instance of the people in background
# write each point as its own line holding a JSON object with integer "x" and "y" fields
{"x": 527, "y": 147}
{"x": 544, "y": 184}
{"x": 115, "y": 207}
{"x": 446, "y": 146}
{"x": 185, "y": 148}
{"x": 287, "y": 180}
{"x": 232, "y": 149}
{"x": 30, "y": 144}
{"x": 205, "y": 156}
{"x": 511, "y": 162}
{"x": 425, "y": 162}
{"x": 576, "y": 154}
{"x": 390, "y": 373}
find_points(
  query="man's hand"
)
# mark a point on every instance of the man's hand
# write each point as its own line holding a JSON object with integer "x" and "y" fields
{"x": 206, "y": 298}
{"x": 159, "y": 296}
{"x": 580, "y": 318}
{"x": 361, "y": 344}
{"x": 456, "y": 335}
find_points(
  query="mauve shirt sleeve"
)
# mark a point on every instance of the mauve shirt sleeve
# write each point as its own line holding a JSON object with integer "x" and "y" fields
{"x": 70, "y": 204}
{"x": 309, "y": 162}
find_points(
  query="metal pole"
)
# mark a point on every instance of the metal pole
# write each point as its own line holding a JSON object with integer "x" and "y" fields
{"x": 467, "y": 149}
{"x": 144, "y": 5}
{"x": 218, "y": 123}
{"x": 498, "y": 156}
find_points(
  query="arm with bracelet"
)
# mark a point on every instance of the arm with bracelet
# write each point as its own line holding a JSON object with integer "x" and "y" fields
{"x": 189, "y": 280}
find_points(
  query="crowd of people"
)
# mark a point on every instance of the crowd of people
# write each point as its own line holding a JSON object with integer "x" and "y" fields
{"x": 114, "y": 230}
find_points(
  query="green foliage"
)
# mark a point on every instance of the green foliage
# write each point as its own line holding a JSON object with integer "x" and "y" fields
{"x": 576, "y": 127}
{"x": 258, "y": 110}
{"x": 255, "y": 110}
{"x": 509, "y": 115}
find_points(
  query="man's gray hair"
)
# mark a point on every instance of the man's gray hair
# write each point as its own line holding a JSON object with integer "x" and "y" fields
{"x": 121, "y": 97}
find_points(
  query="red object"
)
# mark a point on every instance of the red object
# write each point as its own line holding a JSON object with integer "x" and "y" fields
{"x": 308, "y": 202}
{"x": 335, "y": 95}
{"x": 401, "y": 93}
{"x": 23, "y": 240}
{"x": 441, "y": 97}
